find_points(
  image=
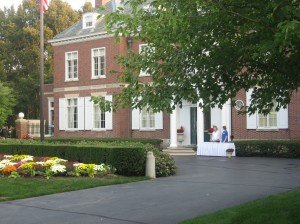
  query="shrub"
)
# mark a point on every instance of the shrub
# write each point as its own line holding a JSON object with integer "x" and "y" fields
{"x": 274, "y": 148}
{"x": 129, "y": 159}
{"x": 154, "y": 142}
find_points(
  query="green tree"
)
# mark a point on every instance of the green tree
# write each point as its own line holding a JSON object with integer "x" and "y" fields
{"x": 87, "y": 7}
{"x": 7, "y": 102}
{"x": 207, "y": 51}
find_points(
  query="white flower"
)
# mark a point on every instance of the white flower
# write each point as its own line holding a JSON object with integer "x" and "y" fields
{"x": 58, "y": 168}
{"x": 40, "y": 163}
{"x": 100, "y": 167}
{"x": 77, "y": 164}
{"x": 56, "y": 161}
{"x": 7, "y": 156}
{"x": 28, "y": 158}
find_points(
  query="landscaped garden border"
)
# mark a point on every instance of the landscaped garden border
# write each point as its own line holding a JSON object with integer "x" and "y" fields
{"x": 268, "y": 148}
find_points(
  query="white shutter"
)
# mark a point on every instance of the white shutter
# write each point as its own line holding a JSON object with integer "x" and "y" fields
{"x": 283, "y": 118}
{"x": 135, "y": 119}
{"x": 108, "y": 115}
{"x": 80, "y": 105}
{"x": 251, "y": 120}
{"x": 89, "y": 106}
{"x": 159, "y": 122}
{"x": 62, "y": 114}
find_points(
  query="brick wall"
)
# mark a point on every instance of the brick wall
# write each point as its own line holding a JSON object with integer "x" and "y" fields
{"x": 239, "y": 125}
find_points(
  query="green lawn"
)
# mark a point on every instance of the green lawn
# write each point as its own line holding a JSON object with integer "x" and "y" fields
{"x": 277, "y": 209}
{"x": 11, "y": 189}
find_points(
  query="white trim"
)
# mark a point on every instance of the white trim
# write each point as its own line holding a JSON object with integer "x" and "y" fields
{"x": 50, "y": 100}
{"x": 79, "y": 38}
{"x": 94, "y": 19}
{"x": 99, "y": 94}
{"x": 71, "y": 96}
{"x": 90, "y": 87}
{"x": 92, "y": 63}
{"x": 67, "y": 79}
{"x": 143, "y": 73}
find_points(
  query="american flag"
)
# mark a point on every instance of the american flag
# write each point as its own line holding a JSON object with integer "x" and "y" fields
{"x": 45, "y": 5}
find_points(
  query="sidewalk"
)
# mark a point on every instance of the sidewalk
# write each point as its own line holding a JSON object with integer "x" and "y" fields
{"x": 202, "y": 185}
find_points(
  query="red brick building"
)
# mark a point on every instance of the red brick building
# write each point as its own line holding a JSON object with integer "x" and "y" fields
{"x": 84, "y": 55}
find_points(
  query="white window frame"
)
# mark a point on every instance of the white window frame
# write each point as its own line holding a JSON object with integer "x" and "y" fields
{"x": 67, "y": 114}
{"x": 149, "y": 114}
{"x": 50, "y": 110}
{"x": 86, "y": 23}
{"x": 273, "y": 112}
{"x": 143, "y": 73}
{"x": 67, "y": 78}
{"x": 98, "y": 76}
{"x": 101, "y": 114}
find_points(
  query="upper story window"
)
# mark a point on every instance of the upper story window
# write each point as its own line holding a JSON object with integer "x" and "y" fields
{"x": 71, "y": 72}
{"x": 98, "y": 63}
{"x": 89, "y": 20}
{"x": 142, "y": 49}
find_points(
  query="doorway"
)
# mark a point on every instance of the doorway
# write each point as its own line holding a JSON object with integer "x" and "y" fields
{"x": 193, "y": 116}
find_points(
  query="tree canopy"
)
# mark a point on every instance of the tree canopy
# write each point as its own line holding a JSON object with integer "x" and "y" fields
{"x": 7, "y": 101}
{"x": 19, "y": 49}
{"x": 207, "y": 51}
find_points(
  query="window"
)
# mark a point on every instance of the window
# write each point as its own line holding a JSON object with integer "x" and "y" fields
{"x": 142, "y": 49}
{"x": 72, "y": 113}
{"x": 99, "y": 117}
{"x": 147, "y": 119}
{"x": 273, "y": 121}
{"x": 51, "y": 112}
{"x": 98, "y": 62}
{"x": 268, "y": 121}
{"x": 71, "y": 66}
{"x": 88, "y": 21}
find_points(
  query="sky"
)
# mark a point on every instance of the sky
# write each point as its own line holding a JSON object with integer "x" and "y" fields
{"x": 76, "y": 4}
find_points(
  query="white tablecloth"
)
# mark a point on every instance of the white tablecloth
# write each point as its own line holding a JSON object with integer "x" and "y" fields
{"x": 214, "y": 149}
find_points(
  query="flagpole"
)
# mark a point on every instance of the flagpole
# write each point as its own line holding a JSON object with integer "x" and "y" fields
{"x": 42, "y": 125}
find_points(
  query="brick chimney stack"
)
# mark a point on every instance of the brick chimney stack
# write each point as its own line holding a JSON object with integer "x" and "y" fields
{"x": 99, "y": 3}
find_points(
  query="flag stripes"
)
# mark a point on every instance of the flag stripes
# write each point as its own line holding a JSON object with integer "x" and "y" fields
{"x": 45, "y": 5}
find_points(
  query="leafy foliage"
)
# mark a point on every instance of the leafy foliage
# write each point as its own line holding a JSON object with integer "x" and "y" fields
{"x": 207, "y": 51}
{"x": 19, "y": 49}
{"x": 7, "y": 101}
{"x": 281, "y": 149}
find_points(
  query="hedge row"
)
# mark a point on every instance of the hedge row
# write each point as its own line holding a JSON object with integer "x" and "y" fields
{"x": 128, "y": 160}
{"x": 154, "y": 142}
{"x": 267, "y": 148}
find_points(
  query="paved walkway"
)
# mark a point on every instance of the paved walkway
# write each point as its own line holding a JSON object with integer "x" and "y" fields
{"x": 202, "y": 185}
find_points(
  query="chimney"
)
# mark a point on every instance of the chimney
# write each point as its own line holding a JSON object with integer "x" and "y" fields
{"x": 99, "y": 3}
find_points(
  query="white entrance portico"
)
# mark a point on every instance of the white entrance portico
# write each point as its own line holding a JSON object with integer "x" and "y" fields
{"x": 195, "y": 123}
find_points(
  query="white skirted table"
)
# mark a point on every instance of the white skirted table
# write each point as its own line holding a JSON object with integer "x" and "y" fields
{"x": 214, "y": 149}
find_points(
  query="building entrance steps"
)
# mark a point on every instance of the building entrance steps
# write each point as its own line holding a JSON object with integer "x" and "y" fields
{"x": 180, "y": 151}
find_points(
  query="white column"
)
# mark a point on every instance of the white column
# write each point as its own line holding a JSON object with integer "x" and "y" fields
{"x": 226, "y": 116}
{"x": 200, "y": 125}
{"x": 173, "y": 128}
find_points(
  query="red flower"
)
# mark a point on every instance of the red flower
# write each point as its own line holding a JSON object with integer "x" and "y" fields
{"x": 180, "y": 130}
{"x": 210, "y": 130}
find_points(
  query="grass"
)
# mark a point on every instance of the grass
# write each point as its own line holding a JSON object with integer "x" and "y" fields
{"x": 277, "y": 209}
{"x": 11, "y": 189}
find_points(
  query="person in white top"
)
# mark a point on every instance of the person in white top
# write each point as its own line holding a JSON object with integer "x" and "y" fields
{"x": 215, "y": 135}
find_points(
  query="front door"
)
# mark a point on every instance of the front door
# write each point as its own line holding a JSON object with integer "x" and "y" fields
{"x": 207, "y": 125}
{"x": 193, "y": 125}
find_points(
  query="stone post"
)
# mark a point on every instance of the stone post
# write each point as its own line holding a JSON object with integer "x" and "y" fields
{"x": 21, "y": 126}
{"x": 150, "y": 165}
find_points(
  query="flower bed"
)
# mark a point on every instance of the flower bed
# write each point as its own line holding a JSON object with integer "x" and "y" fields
{"x": 14, "y": 166}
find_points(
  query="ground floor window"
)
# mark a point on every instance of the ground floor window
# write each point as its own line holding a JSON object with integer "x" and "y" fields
{"x": 72, "y": 113}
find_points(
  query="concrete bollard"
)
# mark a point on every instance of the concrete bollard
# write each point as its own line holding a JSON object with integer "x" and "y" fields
{"x": 150, "y": 165}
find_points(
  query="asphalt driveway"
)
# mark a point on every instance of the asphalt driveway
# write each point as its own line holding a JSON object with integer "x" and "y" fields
{"x": 202, "y": 185}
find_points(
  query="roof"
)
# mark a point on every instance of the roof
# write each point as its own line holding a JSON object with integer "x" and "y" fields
{"x": 77, "y": 31}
